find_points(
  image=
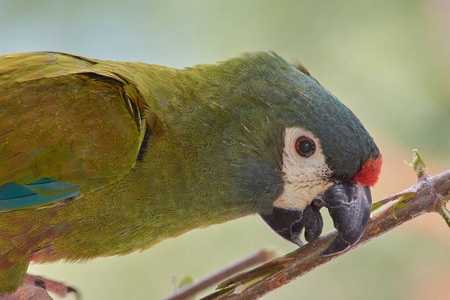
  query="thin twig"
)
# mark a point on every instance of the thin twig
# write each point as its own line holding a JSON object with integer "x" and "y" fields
{"x": 251, "y": 260}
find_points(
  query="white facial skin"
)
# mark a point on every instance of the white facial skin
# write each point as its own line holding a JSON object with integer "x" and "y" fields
{"x": 304, "y": 177}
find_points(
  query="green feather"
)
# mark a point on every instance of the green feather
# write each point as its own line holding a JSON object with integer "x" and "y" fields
{"x": 156, "y": 151}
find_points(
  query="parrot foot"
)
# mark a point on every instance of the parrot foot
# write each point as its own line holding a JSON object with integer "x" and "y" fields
{"x": 52, "y": 286}
{"x": 37, "y": 288}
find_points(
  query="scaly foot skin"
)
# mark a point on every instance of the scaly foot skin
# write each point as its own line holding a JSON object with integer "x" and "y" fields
{"x": 28, "y": 292}
{"x": 37, "y": 288}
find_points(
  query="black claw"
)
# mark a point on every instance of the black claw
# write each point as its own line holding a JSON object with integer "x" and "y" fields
{"x": 75, "y": 291}
{"x": 313, "y": 222}
{"x": 349, "y": 207}
{"x": 40, "y": 283}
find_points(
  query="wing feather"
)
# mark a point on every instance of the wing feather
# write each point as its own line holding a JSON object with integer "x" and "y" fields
{"x": 66, "y": 120}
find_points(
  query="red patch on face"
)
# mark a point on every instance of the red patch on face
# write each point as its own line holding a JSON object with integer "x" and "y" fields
{"x": 368, "y": 175}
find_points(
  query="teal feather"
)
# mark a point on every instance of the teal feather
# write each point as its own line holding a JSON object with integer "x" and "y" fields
{"x": 39, "y": 192}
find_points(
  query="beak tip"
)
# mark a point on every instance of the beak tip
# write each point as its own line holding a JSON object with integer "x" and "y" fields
{"x": 298, "y": 241}
{"x": 349, "y": 207}
{"x": 337, "y": 246}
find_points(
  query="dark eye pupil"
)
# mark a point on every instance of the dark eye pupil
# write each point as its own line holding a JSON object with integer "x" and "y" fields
{"x": 305, "y": 146}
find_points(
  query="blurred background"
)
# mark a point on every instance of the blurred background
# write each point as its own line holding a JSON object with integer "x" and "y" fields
{"x": 386, "y": 60}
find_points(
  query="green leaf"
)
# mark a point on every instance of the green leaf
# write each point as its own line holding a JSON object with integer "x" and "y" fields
{"x": 187, "y": 280}
{"x": 379, "y": 208}
{"x": 444, "y": 211}
{"x": 400, "y": 204}
{"x": 400, "y": 201}
{"x": 377, "y": 205}
{"x": 393, "y": 213}
{"x": 418, "y": 165}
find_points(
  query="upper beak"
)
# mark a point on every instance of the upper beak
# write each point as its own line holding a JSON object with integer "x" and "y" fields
{"x": 349, "y": 207}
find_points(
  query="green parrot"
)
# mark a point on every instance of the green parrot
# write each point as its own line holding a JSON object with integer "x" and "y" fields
{"x": 101, "y": 158}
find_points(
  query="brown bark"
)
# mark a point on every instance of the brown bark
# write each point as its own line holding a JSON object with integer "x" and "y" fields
{"x": 430, "y": 194}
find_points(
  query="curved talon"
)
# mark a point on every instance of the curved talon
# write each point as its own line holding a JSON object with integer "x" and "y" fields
{"x": 75, "y": 291}
{"x": 40, "y": 283}
{"x": 48, "y": 285}
{"x": 349, "y": 207}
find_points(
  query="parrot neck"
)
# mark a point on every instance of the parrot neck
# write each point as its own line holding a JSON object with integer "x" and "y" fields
{"x": 214, "y": 157}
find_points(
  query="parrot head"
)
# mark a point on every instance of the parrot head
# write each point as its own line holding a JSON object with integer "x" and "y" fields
{"x": 312, "y": 180}
{"x": 315, "y": 154}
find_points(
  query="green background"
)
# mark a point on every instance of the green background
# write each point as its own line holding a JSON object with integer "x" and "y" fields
{"x": 386, "y": 60}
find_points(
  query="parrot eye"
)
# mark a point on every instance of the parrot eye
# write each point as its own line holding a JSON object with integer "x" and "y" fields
{"x": 305, "y": 146}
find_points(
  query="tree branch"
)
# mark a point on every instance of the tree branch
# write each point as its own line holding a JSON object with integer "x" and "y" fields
{"x": 245, "y": 263}
{"x": 430, "y": 194}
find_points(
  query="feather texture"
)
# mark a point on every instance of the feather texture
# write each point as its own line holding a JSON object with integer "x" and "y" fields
{"x": 146, "y": 152}
{"x": 61, "y": 120}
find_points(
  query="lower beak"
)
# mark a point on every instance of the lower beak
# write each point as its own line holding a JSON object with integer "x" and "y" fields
{"x": 349, "y": 207}
{"x": 289, "y": 222}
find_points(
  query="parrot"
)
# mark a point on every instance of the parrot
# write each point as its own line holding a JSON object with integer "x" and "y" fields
{"x": 101, "y": 158}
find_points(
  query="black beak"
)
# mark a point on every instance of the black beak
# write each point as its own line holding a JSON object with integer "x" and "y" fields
{"x": 349, "y": 207}
{"x": 289, "y": 223}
